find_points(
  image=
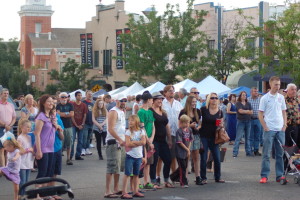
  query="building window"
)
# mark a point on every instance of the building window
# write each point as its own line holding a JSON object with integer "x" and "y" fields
{"x": 96, "y": 59}
{"x": 47, "y": 63}
{"x": 230, "y": 44}
{"x": 118, "y": 84}
{"x": 107, "y": 60}
{"x": 210, "y": 47}
{"x": 38, "y": 27}
{"x": 250, "y": 45}
{"x": 42, "y": 79}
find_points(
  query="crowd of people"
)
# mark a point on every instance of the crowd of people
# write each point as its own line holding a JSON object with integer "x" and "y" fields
{"x": 147, "y": 134}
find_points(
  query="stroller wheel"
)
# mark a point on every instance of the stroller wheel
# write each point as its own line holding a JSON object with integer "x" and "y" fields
{"x": 296, "y": 180}
{"x": 283, "y": 181}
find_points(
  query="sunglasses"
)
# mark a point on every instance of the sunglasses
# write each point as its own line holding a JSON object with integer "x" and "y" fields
{"x": 195, "y": 92}
{"x": 123, "y": 101}
{"x": 212, "y": 98}
{"x": 63, "y": 97}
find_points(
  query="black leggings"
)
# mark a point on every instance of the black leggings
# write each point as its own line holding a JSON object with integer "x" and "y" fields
{"x": 100, "y": 138}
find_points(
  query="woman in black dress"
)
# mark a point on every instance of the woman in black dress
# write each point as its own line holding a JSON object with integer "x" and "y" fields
{"x": 211, "y": 117}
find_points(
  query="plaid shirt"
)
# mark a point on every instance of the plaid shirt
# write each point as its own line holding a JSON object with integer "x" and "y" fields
{"x": 292, "y": 112}
{"x": 255, "y": 105}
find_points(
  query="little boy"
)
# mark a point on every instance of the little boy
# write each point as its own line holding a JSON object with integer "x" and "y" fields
{"x": 184, "y": 136}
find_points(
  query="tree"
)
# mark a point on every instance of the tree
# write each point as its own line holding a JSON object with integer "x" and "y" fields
{"x": 281, "y": 37}
{"x": 72, "y": 77}
{"x": 164, "y": 46}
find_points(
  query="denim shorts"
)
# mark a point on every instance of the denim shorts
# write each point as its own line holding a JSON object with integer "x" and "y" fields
{"x": 196, "y": 143}
{"x": 132, "y": 165}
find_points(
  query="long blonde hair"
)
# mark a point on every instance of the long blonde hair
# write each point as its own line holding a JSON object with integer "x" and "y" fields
{"x": 13, "y": 142}
{"x": 208, "y": 99}
{"x": 136, "y": 127}
{"x": 96, "y": 109}
{"x": 21, "y": 123}
{"x": 189, "y": 110}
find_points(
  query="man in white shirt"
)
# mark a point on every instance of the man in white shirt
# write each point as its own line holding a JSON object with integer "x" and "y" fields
{"x": 272, "y": 116}
{"x": 172, "y": 108}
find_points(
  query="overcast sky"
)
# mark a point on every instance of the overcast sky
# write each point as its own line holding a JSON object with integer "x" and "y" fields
{"x": 74, "y": 13}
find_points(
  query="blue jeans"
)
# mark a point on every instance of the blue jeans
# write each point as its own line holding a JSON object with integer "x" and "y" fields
{"x": 242, "y": 128}
{"x": 132, "y": 165}
{"x": 271, "y": 137}
{"x": 209, "y": 143}
{"x": 87, "y": 134}
{"x": 24, "y": 176}
{"x": 255, "y": 134}
{"x": 79, "y": 133}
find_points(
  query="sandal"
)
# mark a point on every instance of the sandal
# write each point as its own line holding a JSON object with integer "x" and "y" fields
{"x": 111, "y": 196}
{"x": 126, "y": 196}
{"x": 169, "y": 185}
{"x": 138, "y": 194}
{"x": 220, "y": 181}
{"x": 156, "y": 186}
{"x": 118, "y": 193}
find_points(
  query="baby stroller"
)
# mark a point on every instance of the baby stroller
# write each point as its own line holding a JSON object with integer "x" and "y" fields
{"x": 292, "y": 158}
{"x": 32, "y": 193}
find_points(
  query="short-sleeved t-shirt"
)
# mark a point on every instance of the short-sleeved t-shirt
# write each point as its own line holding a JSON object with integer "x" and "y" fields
{"x": 79, "y": 111}
{"x": 160, "y": 124}
{"x": 110, "y": 105}
{"x": 272, "y": 106}
{"x": 57, "y": 141}
{"x": 27, "y": 158}
{"x": 208, "y": 128}
{"x": 243, "y": 117}
{"x": 89, "y": 118}
{"x": 146, "y": 117}
{"x": 136, "y": 152}
{"x": 47, "y": 134}
{"x": 184, "y": 137}
{"x": 67, "y": 108}
{"x": 195, "y": 131}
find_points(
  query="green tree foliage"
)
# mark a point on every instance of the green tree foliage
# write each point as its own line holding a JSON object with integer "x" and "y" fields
{"x": 281, "y": 37}
{"x": 164, "y": 46}
{"x": 72, "y": 77}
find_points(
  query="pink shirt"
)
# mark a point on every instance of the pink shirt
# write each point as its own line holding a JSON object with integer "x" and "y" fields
{"x": 7, "y": 112}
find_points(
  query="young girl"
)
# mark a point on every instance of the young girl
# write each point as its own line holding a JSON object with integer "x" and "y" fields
{"x": 25, "y": 140}
{"x": 135, "y": 139}
{"x": 12, "y": 169}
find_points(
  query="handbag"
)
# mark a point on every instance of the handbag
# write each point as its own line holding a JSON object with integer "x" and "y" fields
{"x": 221, "y": 135}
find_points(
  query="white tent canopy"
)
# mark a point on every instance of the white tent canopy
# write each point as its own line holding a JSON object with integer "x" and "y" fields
{"x": 186, "y": 84}
{"x": 156, "y": 87}
{"x": 130, "y": 91}
{"x": 72, "y": 94}
{"x": 118, "y": 90}
{"x": 210, "y": 84}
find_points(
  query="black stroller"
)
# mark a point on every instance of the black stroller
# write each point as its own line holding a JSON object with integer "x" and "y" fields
{"x": 31, "y": 193}
{"x": 292, "y": 160}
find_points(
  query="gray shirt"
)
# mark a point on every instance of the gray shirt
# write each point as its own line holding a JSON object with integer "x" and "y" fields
{"x": 243, "y": 117}
{"x": 184, "y": 138}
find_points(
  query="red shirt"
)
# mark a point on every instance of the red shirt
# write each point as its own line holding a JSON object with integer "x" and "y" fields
{"x": 79, "y": 111}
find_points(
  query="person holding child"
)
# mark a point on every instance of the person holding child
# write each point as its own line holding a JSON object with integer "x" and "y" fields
{"x": 12, "y": 169}
{"x": 184, "y": 137}
{"x": 135, "y": 139}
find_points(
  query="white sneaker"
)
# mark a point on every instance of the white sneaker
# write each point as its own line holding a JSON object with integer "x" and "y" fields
{"x": 83, "y": 152}
{"x": 92, "y": 146}
{"x": 88, "y": 152}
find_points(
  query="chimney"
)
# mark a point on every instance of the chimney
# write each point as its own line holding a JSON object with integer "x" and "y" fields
{"x": 49, "y": 35}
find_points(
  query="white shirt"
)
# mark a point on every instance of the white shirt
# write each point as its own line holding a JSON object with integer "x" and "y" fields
{"x": 173, "y": 113}
{"x": 133, "y": 111}
{"x": 119, "y": 125}
{"x": 27, "y": 158}
{"x": 136, "y": 152}
{"x": 272, "y": 106}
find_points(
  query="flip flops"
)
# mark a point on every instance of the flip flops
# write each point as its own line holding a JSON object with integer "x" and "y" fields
{"x": 111, "y": 196}
{"x": 126, "y": 196}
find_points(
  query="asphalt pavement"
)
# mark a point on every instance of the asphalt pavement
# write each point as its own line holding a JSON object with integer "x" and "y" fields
{"x": 87, "y": 179}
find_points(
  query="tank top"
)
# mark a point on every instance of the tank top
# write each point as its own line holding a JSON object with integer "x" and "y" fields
{"x": 119, "y": 125}
{"x": 133, "y": 112}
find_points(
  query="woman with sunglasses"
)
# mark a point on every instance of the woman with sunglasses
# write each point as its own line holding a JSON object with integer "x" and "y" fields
{"x": 212, "y": 117}
{"x": 243, "y": 126}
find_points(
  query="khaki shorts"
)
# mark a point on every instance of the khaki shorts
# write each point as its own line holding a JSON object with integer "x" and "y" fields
{"x": 68, "y": 137}
{"x": 115, "y": 159}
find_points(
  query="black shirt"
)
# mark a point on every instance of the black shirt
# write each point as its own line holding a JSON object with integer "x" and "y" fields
{"x": 208, "y": 129}
{"x": 243, "y": 117}
{"x": 89, "y": 119}
{"x": 195, "y": 131}
{"x": 67, "y": 121}
{"x": 160, "y": 124}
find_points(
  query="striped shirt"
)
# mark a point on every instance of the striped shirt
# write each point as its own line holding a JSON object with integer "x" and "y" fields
{"x": 100, "y": 120}
{"x": 255, "y": 105}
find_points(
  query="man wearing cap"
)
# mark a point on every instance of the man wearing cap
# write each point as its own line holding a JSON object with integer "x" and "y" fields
{"x": 172, "y": 108}
{"x": 147, "y": 122}
{"x": 293, "y": 114}
{"x": 115, "y": 141}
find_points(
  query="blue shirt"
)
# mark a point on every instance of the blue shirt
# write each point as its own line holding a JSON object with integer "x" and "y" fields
{"x": 57, "y": 141}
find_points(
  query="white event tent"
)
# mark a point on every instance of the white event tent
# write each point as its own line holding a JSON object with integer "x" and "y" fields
{"x": 130, "y": 91}
{"x": 156, "y": 87}
{"x": 210, "y": 84}
{"x": 115, "y": 91}
{"x": 72, "y": 94}
{"x": 186, "y": 84}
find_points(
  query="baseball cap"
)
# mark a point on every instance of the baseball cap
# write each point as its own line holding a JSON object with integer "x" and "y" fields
{"x": 121, "y": 96}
